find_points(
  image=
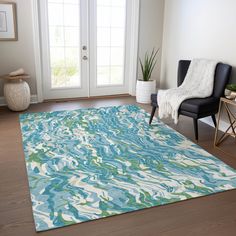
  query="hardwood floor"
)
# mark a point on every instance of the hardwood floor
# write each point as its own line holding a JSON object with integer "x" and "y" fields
{"x": 211, "y": 215}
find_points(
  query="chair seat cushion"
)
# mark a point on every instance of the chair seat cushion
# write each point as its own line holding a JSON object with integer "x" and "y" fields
{"x": 194, "y": 105}
{"x": 200, "y": 105}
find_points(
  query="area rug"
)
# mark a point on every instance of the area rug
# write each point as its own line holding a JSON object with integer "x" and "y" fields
{"x": 93, "y": 163}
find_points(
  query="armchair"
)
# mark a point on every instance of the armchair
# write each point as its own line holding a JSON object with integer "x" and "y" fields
{"x": 198, "y": 108}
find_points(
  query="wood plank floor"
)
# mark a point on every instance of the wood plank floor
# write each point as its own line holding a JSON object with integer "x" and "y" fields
{"x": 211, "y": 215}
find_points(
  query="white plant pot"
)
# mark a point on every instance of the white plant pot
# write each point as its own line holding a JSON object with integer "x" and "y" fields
{"x": 227, "y": 92}
{"x": 144, "y": 89}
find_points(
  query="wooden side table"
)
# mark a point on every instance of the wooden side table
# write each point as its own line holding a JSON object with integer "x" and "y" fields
{"x": 16, "y": 92}
{"x": 231, "y": 130}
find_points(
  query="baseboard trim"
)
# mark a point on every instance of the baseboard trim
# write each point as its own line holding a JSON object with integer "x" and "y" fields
{"x": 222, "y": 127}
{"x": 33, "y": 100}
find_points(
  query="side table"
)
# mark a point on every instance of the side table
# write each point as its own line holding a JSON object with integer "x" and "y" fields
{"x": 231, "y": 130}
{"x": 16, "y": 92}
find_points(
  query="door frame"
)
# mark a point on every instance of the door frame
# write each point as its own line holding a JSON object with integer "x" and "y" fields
{"x": 132, "y": 51}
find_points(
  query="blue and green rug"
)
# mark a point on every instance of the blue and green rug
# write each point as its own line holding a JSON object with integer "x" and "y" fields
{"x": 92, "y": 163}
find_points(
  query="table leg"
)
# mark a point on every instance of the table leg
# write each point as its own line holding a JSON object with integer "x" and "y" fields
{"x": 218, "y": 122}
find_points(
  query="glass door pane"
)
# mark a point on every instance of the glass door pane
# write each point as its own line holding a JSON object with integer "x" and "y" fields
{"x": 111, "y": 29}
{"x": 64, "y": 42}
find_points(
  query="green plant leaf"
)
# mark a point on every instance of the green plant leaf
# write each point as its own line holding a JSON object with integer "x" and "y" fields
{"x": 231, "y": 87}
{"x": 148, "y": 64}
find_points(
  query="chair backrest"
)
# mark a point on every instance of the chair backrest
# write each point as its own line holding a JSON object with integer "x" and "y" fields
{"x": 222, "y": 76}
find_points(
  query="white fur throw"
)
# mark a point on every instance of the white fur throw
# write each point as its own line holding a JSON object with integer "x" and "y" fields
{"x": 198, "y": 83}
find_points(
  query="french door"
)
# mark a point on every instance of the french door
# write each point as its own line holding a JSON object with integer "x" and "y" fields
{"x": 84, "y": 47}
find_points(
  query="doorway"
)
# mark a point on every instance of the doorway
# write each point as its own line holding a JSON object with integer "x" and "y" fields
{"x": 86, "y": 47}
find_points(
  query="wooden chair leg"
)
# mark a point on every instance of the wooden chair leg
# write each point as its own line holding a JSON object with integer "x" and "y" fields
{"x": 214, "y": 119}
{"x": 195, "y": 123}
{"x": 152, "y": 114}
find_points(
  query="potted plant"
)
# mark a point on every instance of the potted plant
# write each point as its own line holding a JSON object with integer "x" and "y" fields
{"x": 146, "y": 86}
{"x": 231, "y": 87}
{"x": 230, "y": 91}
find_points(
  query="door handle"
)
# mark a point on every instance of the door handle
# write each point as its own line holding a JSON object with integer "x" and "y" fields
{"x": 84, "y": 48}
{"x": 85, "y": 58}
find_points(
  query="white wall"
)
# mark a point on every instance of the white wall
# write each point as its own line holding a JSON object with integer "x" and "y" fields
{"x": 14, "y": 55}
{"x": 151, "y": 31}
{"x": 17, "y": 54}
{"x": 197, "y": 29}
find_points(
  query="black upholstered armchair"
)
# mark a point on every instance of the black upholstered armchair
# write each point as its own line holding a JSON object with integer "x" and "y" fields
{"x": 198, "y": 108}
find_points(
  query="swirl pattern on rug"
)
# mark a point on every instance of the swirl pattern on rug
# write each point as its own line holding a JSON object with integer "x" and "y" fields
{"x": 92, "y": 163}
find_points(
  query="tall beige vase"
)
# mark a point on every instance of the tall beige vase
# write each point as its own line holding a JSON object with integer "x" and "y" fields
{"x": 17, "y": 95}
